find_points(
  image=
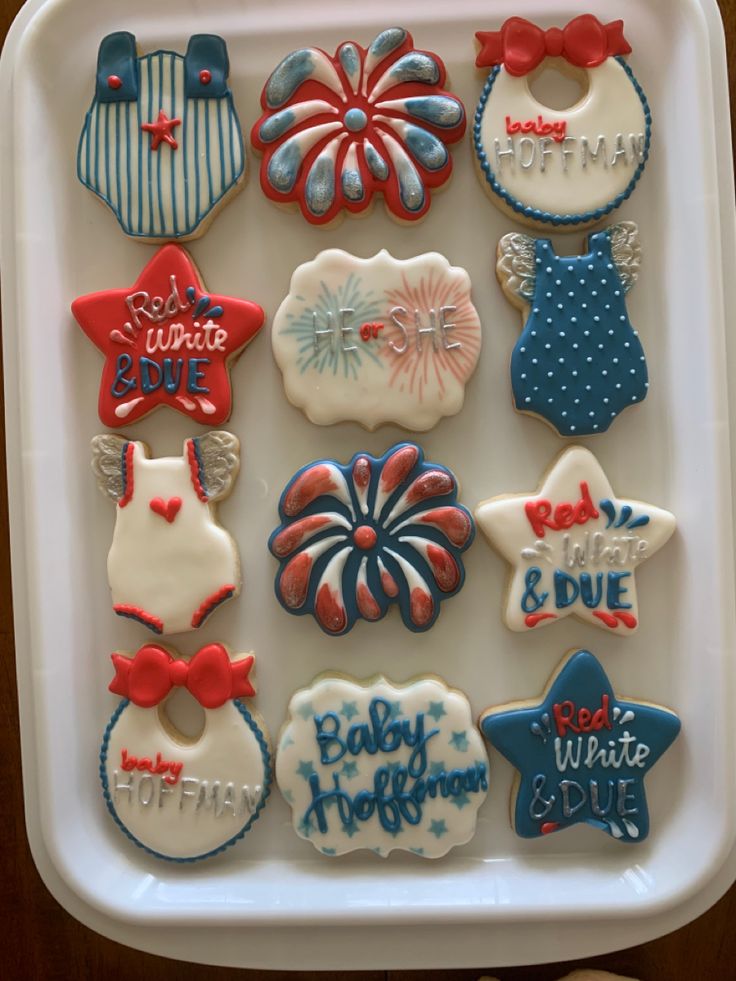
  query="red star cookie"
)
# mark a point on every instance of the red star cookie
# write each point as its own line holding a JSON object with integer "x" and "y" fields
{"x": 167, "y": 341}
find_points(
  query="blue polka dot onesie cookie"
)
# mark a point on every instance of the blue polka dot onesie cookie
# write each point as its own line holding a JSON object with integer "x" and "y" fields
{"x": 578, "y": 362}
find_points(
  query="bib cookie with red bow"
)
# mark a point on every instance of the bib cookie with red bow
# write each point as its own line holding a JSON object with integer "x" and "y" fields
{"x": 180, "y": 798}
{"x": 563, "y": 167}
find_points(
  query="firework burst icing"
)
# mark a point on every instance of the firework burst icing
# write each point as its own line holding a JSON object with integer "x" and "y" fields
{"x": 337, "y": 129}
{"x": 377, "y": 340}
{"x": 356, "y": 538}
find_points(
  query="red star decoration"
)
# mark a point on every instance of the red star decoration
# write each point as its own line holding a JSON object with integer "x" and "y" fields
{"x": 161, "y": 131}
{"x": 167, "y": 341}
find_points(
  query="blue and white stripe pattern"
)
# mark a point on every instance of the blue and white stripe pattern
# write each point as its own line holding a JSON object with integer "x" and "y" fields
{"x": 164, "y": 193}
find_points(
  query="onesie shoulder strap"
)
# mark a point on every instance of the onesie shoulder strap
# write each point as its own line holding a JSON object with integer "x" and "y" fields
{"x": 117, "y": 68}
{"x": 206, "y": 67}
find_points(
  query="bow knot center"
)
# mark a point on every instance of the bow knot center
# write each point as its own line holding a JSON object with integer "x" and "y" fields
{"x": 554, "y": 41}
{"x": 178, "y": 671}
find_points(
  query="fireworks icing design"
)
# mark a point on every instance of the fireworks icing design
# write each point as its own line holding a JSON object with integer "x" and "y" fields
{"x": 377, "y": 340}
{"x": 423, "y": 369}
{"x": 336, "y": 129}
{"x": 356, "y": 538}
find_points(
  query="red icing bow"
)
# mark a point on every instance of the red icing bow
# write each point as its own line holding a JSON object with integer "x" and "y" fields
{"x": 520, "y": 45}
{"x": 210, "y": 676}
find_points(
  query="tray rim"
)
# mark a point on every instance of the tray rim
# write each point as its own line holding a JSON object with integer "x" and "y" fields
{"x": 50, "y": 869}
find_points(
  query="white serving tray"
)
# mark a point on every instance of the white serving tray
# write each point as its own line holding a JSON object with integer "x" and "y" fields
{"x": 272, "y": 900}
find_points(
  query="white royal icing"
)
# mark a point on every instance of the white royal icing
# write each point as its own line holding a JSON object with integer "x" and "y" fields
{"x": 377, "y": 340}
{"x": 168, "y": 569}
{"x": 572, "y": 174}
{"x": 417, "y": 742}
{"x": 573, "y": 541}
{"x": 200, "y": 803}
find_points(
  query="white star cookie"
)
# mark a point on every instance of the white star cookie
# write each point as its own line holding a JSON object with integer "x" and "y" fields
{"x": 573, "y": 546}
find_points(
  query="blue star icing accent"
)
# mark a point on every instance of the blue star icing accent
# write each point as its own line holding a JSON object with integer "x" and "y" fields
{"x": 306, "y": 827}
{"x": 357, "y": 538}
{"x": 460, "y": 801}
{"x": 306, "y": 710}
{"x": 436, "y": 710}
{"x": 350, "y": 769}
{"x": 438, "y": 828}
{"x": 350, "y": 829}
{"x": 349, "y": 710}
{"x": 582, "y": 753}
{"x": 395, "y": 709}
{"x": 305, "y": 769}
{"x": 459, "y": 740}
{"x": 328, "y": 851}
{"x": 436, "y": 767}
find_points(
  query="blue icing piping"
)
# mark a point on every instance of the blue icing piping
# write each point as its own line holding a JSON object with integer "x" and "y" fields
{"x": 352, "y": 185}
{"x": 376, "y": 164}
{"x": 287, "y": 76}
{"x": 426, "y": 148}
{"x": 439, "y": 110}
{"x": 537, "y": 214}
{"x": 415, "y": 67}
{"x": 283, "y": 167}
{"x": 275, "y": 126}
{"x": 578, "y": 361}
{"x": 411, "y": 189}
{"x": 387, "y": 41}
{"x": 319, "y": 191}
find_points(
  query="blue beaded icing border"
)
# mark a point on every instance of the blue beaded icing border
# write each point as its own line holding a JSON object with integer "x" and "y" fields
{"x": 546, "y": 216}
{"x": 267, "y": 782}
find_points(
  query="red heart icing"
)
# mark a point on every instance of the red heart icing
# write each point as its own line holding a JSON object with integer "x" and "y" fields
{"x": 167, "y": 509}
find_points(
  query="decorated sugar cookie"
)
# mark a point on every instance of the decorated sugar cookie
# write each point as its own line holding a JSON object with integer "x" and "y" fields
{"x": 337, "y": 129}
{"x": 170, "y": 564}
{"x": 180, "y": 798}
{"x": 161, "y": 143}
{"x": 578, "y": 362}
{"x": 377, "y": 340}
{"x": 167, "y": 341}
{"x": 372, "y": 764}
{"x": 563, "y": 167}
{"x": 574, "y": 547}
{"x": 582, "y": 753}
{"x": 356, "y": 538}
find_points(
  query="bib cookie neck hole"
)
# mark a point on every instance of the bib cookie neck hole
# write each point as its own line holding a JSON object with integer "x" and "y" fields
{"x": 558, "y": 86}
{"x": 182, "y": 717}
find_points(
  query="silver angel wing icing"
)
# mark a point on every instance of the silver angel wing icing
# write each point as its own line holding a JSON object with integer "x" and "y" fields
{"x": 107, "y": 464}
{"x": 515, "y": 265}
{"x": 219, "y": 456}
{"x": 626, "y": 251}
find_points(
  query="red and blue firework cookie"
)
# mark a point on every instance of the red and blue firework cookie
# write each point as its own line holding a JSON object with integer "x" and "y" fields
{"x": 337, "y": 129}
{"x": 356, "y": 538}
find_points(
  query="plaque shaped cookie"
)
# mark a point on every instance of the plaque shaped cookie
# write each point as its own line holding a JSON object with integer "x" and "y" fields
{"x": 177, "y": 797}
{"x": 560, "y": 167}
{"x": 581, "y": 752}
{"x": 170, "y": 564}
{"x": 377, "y": 340}
{"x": 161, "y": 143}
{"x": 372, "y": 764}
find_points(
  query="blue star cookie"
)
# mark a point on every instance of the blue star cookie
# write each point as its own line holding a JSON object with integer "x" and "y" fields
{"x": 581, "y": 752}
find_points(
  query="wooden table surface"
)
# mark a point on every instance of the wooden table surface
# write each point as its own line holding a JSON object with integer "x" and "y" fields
{"x": 41, "y": 941}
